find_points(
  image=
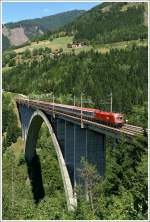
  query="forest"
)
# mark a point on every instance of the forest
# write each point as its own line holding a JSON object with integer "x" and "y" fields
{"x": 106, "y": 23}
{"x": 113, "y": 25}
{"x": 92, "y": 73}
{"x": 122, "y": 193}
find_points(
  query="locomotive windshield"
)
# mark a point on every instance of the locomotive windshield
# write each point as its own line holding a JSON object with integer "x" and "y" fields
{"x": 119, "y": 117}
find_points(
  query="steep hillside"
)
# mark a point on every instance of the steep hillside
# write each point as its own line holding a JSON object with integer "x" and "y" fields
{"x": 5, "y": 42}
{"x": 16, "y": 36}
{"x": 20, "y": 32}
{"x": 111, "y": 22}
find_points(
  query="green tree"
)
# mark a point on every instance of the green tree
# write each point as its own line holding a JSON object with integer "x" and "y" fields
{"x": 27, "y": 53}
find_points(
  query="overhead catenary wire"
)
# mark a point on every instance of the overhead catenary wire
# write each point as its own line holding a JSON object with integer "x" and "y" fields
{"x": 76, "y": 101}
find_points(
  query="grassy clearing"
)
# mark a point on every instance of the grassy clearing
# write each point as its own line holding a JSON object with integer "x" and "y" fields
{"x": 146, "y": 14}
{"x": 57, "y": 43}
{"x": 18, "y": 147}
{"x": 106, "y": 9}
{"x": 63, "y": 41}
{"x": 132, "y": 4}
{"x": 103, "y": 48}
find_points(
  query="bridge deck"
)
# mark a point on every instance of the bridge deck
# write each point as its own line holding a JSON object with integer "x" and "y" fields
{"x": 126, "y": 130}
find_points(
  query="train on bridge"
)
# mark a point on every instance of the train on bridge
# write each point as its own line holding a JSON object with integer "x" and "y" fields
{"x": 108, "y": 118}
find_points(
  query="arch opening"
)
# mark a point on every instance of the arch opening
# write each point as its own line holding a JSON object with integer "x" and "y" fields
{"x": 35, "y": 123}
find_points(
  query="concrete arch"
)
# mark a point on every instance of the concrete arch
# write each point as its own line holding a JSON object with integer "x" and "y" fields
{"x": 36, "y": 120}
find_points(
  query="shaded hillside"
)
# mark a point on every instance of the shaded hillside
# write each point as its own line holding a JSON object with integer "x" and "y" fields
{"x": 35, "y": 27}
{"x": 111, "y": 22}
{"x": 5, "y": 42}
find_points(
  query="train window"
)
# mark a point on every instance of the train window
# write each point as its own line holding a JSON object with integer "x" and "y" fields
{"x": 88, "y": 113}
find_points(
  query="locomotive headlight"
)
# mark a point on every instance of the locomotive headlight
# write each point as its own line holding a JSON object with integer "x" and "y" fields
{"x": 126, "y": 120}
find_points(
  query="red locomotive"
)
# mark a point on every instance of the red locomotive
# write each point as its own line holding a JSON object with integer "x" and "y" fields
{"x": 109, "y": 118}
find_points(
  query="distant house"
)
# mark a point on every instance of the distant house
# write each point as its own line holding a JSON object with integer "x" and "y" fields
{"x": 75, "y": 45}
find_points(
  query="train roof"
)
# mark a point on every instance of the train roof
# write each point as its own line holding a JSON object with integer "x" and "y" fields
{"x": 76, "y": 107}
{"x": 110, "y": 113}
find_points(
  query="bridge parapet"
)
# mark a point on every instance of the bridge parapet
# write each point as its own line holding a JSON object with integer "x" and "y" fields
{"x": 127, "y": 131}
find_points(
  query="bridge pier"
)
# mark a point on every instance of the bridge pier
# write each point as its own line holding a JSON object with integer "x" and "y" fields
{"x": 77, "y": 143}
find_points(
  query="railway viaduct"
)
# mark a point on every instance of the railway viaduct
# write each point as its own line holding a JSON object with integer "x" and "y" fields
{"x": 72, "y": 140}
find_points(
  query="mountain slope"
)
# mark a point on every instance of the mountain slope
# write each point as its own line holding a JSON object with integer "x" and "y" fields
{"x": 91, "y": 72}
{"x": 111, "y": 22}
{"x": 20, "y": 32}
{"x": 5, "y": 42}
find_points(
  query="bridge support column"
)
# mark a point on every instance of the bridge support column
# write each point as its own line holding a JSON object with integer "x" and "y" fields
{"x": 90, "y": 146}
{"x": 96, "y": 150}
{"x": 77, "y": 143}
{"x": 60, "y": 133}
